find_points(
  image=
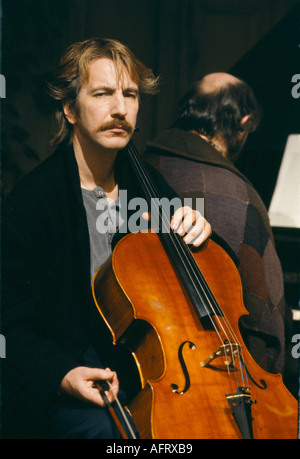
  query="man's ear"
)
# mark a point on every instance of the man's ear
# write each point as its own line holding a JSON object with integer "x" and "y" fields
{"x": 244, "y": 120}
{"x": 69, "y": 113}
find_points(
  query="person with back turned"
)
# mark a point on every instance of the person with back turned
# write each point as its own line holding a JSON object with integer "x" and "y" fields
{"x": 196, "y": 155}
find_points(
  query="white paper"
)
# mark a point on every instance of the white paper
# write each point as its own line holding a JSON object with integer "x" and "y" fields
{"x": 284, "y": 210}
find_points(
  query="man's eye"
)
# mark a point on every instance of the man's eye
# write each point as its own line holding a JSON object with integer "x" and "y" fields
{"x": 132, "y": 95}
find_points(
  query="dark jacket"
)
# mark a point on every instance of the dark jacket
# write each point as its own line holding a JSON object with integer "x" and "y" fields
{"x": 49, "y": 317}
{"x": 194, "y": 168}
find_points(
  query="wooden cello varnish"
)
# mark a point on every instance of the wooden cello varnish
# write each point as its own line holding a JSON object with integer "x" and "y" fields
{"x": 197, "y": 381}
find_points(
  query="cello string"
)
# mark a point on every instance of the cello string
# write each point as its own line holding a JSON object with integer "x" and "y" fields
{"x": 178, "y": 241}
{"x": 203, "y": 283}
{"x": 241, "y": 355}
{"x": 179, "y": 244}
{"x": 174, "y": 238}
{"x": 240, "y": 351}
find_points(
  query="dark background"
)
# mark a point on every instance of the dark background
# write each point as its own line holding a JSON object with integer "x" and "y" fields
{"x": 181, "y": 40}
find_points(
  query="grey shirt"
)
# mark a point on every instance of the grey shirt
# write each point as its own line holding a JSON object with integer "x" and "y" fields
{"x": 103, "y": 222}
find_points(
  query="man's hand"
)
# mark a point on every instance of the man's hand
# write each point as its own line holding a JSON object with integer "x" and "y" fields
{"x": 190, "y": 223}
{"x": 79, "y": 383}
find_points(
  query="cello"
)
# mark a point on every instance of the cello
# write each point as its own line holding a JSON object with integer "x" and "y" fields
{"x": 177, "y": 310}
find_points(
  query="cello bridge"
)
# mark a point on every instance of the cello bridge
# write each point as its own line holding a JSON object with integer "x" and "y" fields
{"x": 227, "y": 350}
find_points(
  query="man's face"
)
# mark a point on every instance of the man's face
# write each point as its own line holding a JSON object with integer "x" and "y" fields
{"x": 108, "y": 105}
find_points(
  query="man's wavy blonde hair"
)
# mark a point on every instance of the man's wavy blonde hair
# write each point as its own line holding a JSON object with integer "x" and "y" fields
{"x": 73, "y": 72}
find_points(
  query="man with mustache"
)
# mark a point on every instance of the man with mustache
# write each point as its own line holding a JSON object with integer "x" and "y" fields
{"x": 52, "y": 248}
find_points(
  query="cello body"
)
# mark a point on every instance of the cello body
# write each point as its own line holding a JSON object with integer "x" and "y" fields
{"x": 195, "y": 382}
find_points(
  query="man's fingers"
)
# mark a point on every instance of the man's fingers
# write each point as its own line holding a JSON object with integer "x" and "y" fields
{"x": 200, "y": 239}
{"x": 79, "y": 383}
{"x": 190, "y": 222}
{"x": 99, "y": 373}
{"x": 176, "y": 221}
{"x": 146, "y": 216}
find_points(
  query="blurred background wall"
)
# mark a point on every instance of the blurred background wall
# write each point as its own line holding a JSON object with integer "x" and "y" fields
{"x": 179, "y": 39}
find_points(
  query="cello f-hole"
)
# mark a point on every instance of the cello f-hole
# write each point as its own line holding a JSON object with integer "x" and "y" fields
{"x": 174, "y": 387}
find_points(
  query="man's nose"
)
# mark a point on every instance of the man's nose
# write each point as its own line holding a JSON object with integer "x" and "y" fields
{"x": 119, "y": 106}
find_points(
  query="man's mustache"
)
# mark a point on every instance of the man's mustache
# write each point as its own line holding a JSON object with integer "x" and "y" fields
{"x": 115, "y": 124}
